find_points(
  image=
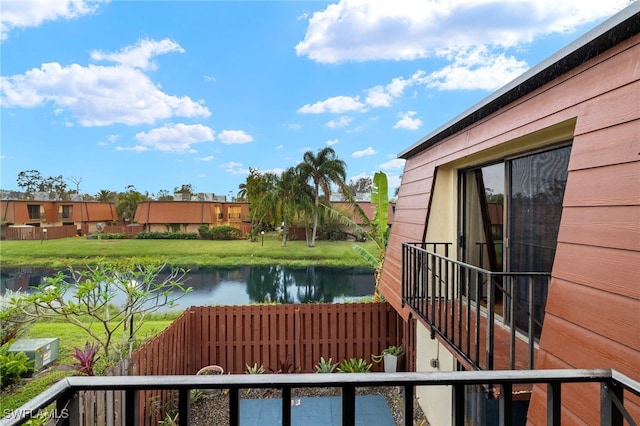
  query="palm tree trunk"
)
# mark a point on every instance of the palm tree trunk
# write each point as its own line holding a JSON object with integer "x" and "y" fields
{"x": 315, "y": 219}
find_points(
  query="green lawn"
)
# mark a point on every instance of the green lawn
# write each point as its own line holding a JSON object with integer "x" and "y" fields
{"x": 76, "y": 251}
{"x": 70, "y": 337}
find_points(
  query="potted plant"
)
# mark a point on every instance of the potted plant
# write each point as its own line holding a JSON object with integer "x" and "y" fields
{"x": 393, "y": 356}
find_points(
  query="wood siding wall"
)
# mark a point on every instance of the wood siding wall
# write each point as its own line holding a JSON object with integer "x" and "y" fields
{"x": 594, "y": 299}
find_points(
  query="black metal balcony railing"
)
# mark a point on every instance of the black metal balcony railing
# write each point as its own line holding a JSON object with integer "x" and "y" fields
{"x": 64, "y": 394}
{"x": 459, "y": 300}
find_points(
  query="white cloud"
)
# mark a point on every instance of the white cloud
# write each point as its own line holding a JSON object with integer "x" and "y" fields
{"x": 176, "y": 137}
{"x": 336, "y": 105}
{"x": 234, "y": 137}
{"x": 25, "y": 14}
{"x": 341, "y": 122}
{"x": 279, "y": 147}
{"x": 332, "y": 142}
{"x": 96, "y": 95}
{"x": 207, "y": 158}
{"x": 137, "y": 148}
{"x": 140, "y": 54}
{"x": 234, "y": 168}
{"x": 395, "y": 164}
{"x": 209, "y": 78}
{"x": 378, "y": 97}
{"x": 475, "y": 69}
{"x": 364, "y": 30}
{"x": 407, "y": 121}
{"x": 364, "y": 153}
{"x": 294, "y": 126}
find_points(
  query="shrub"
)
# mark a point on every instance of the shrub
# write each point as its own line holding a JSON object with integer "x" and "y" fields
{"x": 86, "y": 359}
{"x": 13, "y": 365}
{"x": 113, "y": 236}
{"x": 13, "y": 322}
{"x": 254, "y": 369}
{"x": 204, "y": 232}
{"x": 325, "y": 366}
{"x": 284, "y": 367}
{"x": 219, "y": 233}
{"x": 354, "y": 365}
{"x": 167, "y": 236}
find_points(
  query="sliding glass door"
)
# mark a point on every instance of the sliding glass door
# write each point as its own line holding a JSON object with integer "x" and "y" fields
{"x": 509, "y": 219}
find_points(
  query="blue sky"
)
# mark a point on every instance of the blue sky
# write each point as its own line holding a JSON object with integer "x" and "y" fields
{"x": 157, "y": 94}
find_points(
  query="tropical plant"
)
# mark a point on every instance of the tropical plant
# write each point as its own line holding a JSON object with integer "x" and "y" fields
{"x": 13, "y": 365}
{"x": 326, "y": 366}
{"x": 354, "y": 365}
{"x": 254, "y": 369}
{"x": 322, "y": 169}
{"x": 294, "y": 195}
{"x": 376, "y": 229}
{"x": 86, "y": 358}
{"x": 117, "y": 295}
{"x": 284, "y": 366}
{"x": 106, "y": 196}
{"x": 391, "y": 350}
{"x": 128, "y": 202}
{"x": 13, "y": 322}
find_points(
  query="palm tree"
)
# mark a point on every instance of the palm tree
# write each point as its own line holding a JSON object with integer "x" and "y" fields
{"x": 106, "y": 196}
{"x": 127, "y": 203}
{"x": 295, "y": 197}
{"x": 376, "y": 229}
{"x": 323, "y": 169}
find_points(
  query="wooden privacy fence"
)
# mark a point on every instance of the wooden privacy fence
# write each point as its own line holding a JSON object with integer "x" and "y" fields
{"x": 234, "y": 336}
{"x": 37, "y": 233}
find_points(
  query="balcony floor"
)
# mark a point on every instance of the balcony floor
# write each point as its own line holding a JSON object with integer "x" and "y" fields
{"x": 312, "y": 411}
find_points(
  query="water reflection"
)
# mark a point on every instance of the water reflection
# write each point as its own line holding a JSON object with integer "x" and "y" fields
{"x": 242, "y": 285}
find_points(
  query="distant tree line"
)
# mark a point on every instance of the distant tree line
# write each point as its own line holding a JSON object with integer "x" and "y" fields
{"x": 296, "y": 197}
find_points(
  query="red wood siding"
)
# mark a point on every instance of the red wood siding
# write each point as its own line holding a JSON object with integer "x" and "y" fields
{"x": 594, "y": 298}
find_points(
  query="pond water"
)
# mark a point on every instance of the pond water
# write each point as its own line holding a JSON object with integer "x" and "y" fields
{"x": 242, "y": 285}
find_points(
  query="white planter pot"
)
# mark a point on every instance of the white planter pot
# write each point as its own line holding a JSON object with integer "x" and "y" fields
{"x": 391, "y": 363}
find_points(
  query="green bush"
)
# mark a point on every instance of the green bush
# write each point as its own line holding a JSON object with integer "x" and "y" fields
{"x": 13, "y": 322}
{"x": 225, "y": 233}
{"x": 326, "y": 366}
{"x": 219, "y": 233}
{"x": 13, "y": 365}
{"x": 113, "y": 236}
{"x": 167, "y": 236}
{"x": 204, "y": 232}
{"x": 354, "y": 365}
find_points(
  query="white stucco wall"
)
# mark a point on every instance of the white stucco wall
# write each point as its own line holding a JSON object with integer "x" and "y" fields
{"x": 434, "y": 400}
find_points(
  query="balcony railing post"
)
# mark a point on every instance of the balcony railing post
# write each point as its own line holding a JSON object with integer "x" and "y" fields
{"x": 458, "y": 405}
{"x": 610, "y": 404}
{"x": 348, "y": 405}
{"x": 286, "y": 406}
{"x": 131, "y": 407}
{"x": 554, "y": 401}
{"x": 506, "y": 404}
{"x": 68, "y": 408}
{"x": 408, "y": 405}
{"x": 184, "y": 406}
{"x": 491, "y": 311}
{"x": 234, "y": 407}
